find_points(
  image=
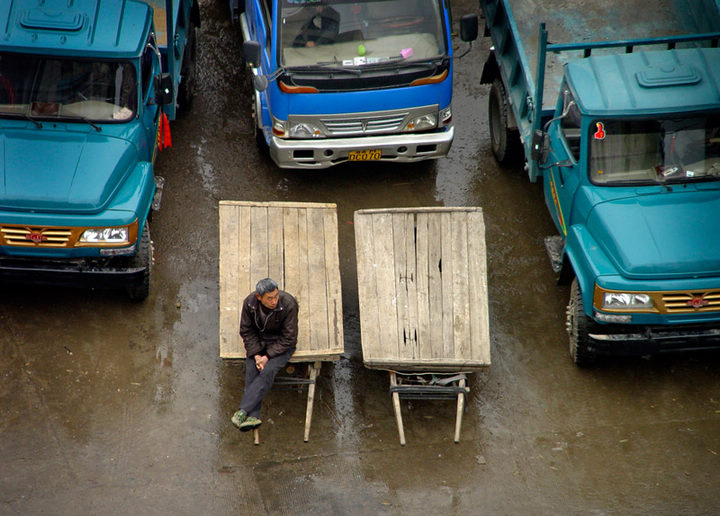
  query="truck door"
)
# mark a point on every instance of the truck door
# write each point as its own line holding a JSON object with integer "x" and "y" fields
{"x": 565, "y": 171}
{"x": 149, "y": 68}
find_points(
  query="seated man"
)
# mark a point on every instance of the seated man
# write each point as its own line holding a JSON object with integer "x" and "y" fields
{"x": 269, "y": 329}
{"x": 322, "y": 28}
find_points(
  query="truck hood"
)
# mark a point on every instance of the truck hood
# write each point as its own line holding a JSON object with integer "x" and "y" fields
{"x": 61, "y": 171}
{"x": 665, "y": 234}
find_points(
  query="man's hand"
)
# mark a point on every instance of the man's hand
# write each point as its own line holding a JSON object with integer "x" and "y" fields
{"x": 260, "y": 361}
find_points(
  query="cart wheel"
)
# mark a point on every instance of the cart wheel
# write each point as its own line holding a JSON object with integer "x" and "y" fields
{"x": 143, "y": 258}
{"x": 577, "y": 327}
{"x": 505, "y": 142}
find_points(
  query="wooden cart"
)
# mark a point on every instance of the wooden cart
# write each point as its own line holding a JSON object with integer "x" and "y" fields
{"x": 422, "y": 288}
{"x": 296, "y": 244}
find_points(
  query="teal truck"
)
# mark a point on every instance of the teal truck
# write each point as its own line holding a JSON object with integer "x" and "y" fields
{"x": 615, "y": 106}
{"x": 87, "y": 88}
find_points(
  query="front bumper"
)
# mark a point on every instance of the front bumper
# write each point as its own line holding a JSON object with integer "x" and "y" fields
{"x": 111, "y": 273}
{"x": 326, "y": 152}
{"x": 647, "y": 340}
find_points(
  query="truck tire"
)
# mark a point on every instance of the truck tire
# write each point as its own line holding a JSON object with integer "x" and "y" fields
{"x": 142, "y": 258}
{"x": 578, "y": 328}
{"x": 188, "y": 84}
{"x": 505, "y": 142}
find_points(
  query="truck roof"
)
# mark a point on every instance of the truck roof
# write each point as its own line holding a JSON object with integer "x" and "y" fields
{"x": 681, "y": 80}
{"x": 108, "y": 28}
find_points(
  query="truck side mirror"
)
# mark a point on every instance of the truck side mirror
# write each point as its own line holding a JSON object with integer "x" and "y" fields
{"x": 251, "y": 53}
{"x": 469, "y": 27}
{"x": 163, "y": 89}
{"x": 540, "y": 146}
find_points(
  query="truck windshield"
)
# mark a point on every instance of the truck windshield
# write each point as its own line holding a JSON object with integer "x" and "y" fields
{"x": 655, "y": 151}
{"x": 41, "y": 87}
{"x": 360, "y": 33}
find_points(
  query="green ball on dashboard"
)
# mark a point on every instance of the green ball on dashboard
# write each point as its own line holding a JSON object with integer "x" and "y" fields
{"x": 361, "y": 49}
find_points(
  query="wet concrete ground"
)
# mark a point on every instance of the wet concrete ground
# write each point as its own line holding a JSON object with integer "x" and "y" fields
{"x": 114, "y": 407}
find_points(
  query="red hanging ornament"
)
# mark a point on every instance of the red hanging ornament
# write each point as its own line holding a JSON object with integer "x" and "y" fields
{"x": 164, "y": 138}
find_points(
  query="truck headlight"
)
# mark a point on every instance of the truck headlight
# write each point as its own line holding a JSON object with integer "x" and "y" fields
{"x": 625, "y": 301}
{"x": 421, "y": 123}
{"x": 305, "y": 130}
{"x": 119, "y": 235}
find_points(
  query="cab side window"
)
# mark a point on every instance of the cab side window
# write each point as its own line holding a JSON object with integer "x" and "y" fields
{"x": 570, "y": 125}
{"x": 146, "y": 64}
{"x": 267, "y": 18}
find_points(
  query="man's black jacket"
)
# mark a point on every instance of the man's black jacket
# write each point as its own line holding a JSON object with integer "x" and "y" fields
{"x": 271, "y": 334}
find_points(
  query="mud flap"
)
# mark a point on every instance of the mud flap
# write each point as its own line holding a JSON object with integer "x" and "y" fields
{"x": 554, "y": 246}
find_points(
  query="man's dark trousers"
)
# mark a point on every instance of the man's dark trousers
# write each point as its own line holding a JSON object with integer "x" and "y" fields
{"x": 258, "y": 383}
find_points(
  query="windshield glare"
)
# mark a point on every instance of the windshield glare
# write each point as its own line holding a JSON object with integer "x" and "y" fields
{"x": 360, "y": 33}
{"x": 51, "y": 88}
{"x": 655, "y": 151}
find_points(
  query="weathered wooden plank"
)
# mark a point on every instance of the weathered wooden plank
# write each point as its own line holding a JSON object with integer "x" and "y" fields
{"x": 478, "y": 288}
{"x": 259, "y": 267}
{"x": 435, "y": 287}
{"x": 411, "y": 281}
{"x": 276, "y": 256}
{"x": 460, "y": 278}
{"x": 385, "y": 284}
{"x": 422, "y": 251}
{"x": 245, "y": 279}
{"x": 332, "y": 280}
{"x": 367, "y": 283}
{"x": 447, "y": 286}
{"x": 400, "y": 283}
{"x": 292, "y": 271}
{"x": 303, "y": 292}
{"x": 317, "y": 300}
{"x": 230, "y": 296}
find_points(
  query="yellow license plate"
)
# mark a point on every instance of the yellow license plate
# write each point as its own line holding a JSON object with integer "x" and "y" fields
{"x": 365, "y": 155}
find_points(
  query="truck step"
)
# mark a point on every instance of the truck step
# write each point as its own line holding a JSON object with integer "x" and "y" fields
{"x": 554, "y": 246}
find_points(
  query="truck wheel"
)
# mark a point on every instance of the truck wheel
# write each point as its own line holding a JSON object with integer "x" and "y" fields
{"x": 578, "y": 328}
{"x": 188, "y": 84}
{"x": 505, "y": 142}
{"x": 142, "y": 258}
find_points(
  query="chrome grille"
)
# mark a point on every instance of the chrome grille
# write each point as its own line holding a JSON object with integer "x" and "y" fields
{"x": 363, "y": 125}
{"x": 35, "y": 236}
{"x": 704, "y": 301}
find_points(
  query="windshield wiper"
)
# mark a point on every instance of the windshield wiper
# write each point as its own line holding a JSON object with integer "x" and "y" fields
{"x": 323, "y": 67}
{"x": 34, "y": 121}
{"x": 84, "y": 119}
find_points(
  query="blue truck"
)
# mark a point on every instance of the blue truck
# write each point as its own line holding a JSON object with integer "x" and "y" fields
{"x": 86, "y": 91}
{"x": 339, "y": 80}
{"x": 619, "y": 116}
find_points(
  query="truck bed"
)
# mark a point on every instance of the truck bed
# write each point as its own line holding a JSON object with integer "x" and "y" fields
{"x": 160, "y": 20}
{"x": 587, "y": 21}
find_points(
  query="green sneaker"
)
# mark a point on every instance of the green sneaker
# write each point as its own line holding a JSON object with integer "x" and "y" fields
{"x": 249, "y": 424}
{"x": 238, "y": 418}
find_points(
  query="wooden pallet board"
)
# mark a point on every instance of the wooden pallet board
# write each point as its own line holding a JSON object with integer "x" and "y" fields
{"x": 422, "y": 287}
{"x": 296, "y": 244}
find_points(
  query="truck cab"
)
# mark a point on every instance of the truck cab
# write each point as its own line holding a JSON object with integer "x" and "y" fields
{"x": 82, "y": 92}
{"x": 632, "y": 182}
{"x": 344, "y": 81}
